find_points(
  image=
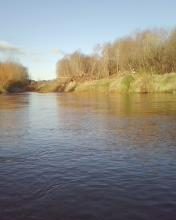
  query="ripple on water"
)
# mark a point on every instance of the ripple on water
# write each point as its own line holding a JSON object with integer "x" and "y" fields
{"x": 87, "y": 157}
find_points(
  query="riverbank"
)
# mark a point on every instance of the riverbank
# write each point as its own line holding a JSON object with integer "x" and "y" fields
{"x": 13, "y": 89}
{"x": 123, "y": 83}
{"x": 132, "y": 83}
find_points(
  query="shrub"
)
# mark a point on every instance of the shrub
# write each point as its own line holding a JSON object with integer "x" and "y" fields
{"x": 12, "y": 75}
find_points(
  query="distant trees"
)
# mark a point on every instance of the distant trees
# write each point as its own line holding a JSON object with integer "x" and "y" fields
{"x": 151, "y": 51}
{"x": 77, "y": 65}
{"x": 13, "y": 74}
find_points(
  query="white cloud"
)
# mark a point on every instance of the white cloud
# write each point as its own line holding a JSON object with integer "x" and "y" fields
{"x": 6, "y": 47}
{"x": 57, "y": 52}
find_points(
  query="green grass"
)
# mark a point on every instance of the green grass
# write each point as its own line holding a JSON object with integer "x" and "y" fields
{"x": 2, "y": 90}
{"x": 132, "y": 83}
{"x": 47, "y": 87}
{"x": 95, "y": 85}
{"x": 126, "y": 83}
{"x": 165, "y": 83}
{"x": 122, "y": 84}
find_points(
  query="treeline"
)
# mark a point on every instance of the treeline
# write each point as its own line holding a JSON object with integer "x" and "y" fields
{"x": 12, "y": 75}
{"x": 152, "y": 51}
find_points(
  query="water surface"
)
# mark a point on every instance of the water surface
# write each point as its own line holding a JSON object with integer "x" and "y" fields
{"x": 89, "y": 156}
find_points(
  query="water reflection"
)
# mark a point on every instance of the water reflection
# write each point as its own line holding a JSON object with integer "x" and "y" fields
{"x": 13, "y": 118}
{"x": 133, "y": 118}
{"x": 123, "y": 105}
{"x": 12, "y": 102}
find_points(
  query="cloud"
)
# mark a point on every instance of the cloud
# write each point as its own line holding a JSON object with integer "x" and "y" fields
{"x": 6, "y": 47}
{"x": 57, "y": 52}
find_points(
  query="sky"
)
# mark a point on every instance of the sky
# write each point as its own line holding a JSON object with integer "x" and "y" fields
{"x": 38, "y": 33}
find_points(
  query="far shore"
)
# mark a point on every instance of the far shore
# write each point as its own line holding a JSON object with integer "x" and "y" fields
{"x": 139, "y": 63}
{"x": 122, "y": 83}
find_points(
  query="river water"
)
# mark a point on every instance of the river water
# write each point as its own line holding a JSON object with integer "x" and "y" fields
{"x": 89, "y": 156}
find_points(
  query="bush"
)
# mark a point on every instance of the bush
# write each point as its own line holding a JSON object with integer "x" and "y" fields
{"x": 12, "y": 75}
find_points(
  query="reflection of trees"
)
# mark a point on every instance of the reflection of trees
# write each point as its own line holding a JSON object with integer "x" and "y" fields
{"x": 13, "y": 117}
{"x": 122, "y": 118}
{"x": 138, "y": 105}
{"x": 12, "y": 102}
{"x": 131, "y": 118}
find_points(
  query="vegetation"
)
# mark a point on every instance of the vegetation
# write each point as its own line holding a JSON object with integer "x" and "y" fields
{"x": 150, "y": 51}
{"x": 13, "y": 77}
{"x": 46, "y": 86}
{"x": 143, "y": 62}
{"x": 132, "y": 83}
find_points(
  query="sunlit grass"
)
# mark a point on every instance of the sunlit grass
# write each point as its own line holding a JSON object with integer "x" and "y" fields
{"x": 132, "y": 83}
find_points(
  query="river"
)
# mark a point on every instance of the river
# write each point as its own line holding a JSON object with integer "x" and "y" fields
{"x": 87, "y": 156}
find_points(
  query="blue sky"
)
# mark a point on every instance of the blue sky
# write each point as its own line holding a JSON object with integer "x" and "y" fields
{"x": 38, "y": 33}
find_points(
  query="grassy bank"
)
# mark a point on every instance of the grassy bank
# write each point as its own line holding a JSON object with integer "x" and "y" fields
{"x": 52, "y": 86}
{"x": 2, "y": 90}
{"x": 123, "y": 83}
{"x": 132, "y": 83}
{"x": 146, "y": 59}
